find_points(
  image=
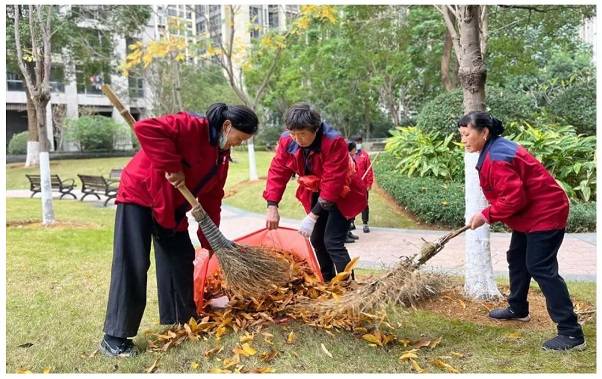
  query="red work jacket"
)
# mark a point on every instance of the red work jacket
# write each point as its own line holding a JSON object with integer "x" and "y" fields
{"x": 328, "y": 159}
{"x": 362, "y": 163}
{"x": 171, "y": 143}
{"x": 521, "y": 192}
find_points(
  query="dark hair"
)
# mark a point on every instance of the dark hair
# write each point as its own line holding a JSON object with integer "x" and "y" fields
{"x": 482, "y": 120}
{"x": 242, "y": 118}
{"x": 302, "y": 116}
{"x": 351, "y": 145}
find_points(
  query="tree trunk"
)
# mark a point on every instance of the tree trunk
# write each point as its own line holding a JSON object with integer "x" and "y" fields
{"x": 47, "y": 208}
{"x": 33, "y": 144}
{"x": 445, "y": 61}
{"x": 479, "y": 281}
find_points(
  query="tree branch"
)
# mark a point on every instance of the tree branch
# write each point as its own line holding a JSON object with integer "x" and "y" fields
{"x": 451, "y": 27}
{"x": 484, "y": 29}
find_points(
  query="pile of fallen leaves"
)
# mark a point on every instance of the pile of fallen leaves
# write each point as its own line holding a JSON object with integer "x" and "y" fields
{"x": 295, "y": 301}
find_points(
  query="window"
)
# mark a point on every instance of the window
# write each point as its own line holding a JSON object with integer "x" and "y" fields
{"x": 90, "y": 83}
{"x": 273, "y": 16}
{"x": 14, "y": 82}
{"x": 256, "y": 21}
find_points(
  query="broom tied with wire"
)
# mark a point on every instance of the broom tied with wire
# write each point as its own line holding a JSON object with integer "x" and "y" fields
{"x": 404, "y": 284}
{"x": 247, "y": 270}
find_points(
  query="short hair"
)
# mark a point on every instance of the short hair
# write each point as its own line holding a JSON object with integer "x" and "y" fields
{"x": 302, "y": 116}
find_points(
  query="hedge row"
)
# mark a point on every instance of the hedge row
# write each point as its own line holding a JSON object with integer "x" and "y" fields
{"x": 441, "y": 203}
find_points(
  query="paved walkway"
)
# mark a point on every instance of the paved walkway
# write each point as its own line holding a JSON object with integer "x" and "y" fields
{"x": 383, "y": 246}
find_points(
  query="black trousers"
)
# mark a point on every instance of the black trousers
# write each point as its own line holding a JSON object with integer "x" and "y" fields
{"x": 328, "y": 240}
{"x": 533, "y": 255}
{"x": 174, "y": 254}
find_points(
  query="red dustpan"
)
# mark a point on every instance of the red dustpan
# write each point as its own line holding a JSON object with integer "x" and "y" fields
{"x": 281, "y": 238}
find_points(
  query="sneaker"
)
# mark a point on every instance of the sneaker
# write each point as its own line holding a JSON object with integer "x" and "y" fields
{"x": 349, "y": 240}
{"x": 353, "y": 236}
{"x": 508, "y": 314}
{"x": 352, "y": 227}
{"x": 123, "y": 348}
{"x": 366, "y": 228}
{"x": 564, "y": 343}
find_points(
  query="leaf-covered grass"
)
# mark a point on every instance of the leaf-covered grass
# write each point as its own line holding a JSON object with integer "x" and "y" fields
{"x": 57, "y": 286}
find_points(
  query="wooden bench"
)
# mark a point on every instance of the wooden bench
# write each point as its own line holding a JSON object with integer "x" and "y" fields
{"x": 56, "y": 183}
{"x": 115, "y": 175}
{"x": 98, "y": 185}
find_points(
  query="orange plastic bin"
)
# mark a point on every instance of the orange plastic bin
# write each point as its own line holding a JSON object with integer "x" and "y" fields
{"x": 281, "y": 238}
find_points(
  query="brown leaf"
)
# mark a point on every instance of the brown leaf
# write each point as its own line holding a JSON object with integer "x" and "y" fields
{"x": 351, "y": 264}
{"x": 153, "y": 367}
{"x": 268, "y": 356}
{"x": 215, "y": 350}
{"x": 435, "y": 342}
{"x": 261, "y": 370}
{"x": 230, "y": 362}
{"x": 423, "y": 342}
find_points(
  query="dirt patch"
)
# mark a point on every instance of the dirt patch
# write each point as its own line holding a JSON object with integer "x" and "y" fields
{"x": 37, "y": 224}
{"x": 452, "y": 304}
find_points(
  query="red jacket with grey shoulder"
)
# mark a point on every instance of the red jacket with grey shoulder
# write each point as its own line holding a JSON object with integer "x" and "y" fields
{"x": 521, "y": 192}
{"x": 362, "y": 161}
{"x": 172, "y": 143}
{"x": 329, "y": 160}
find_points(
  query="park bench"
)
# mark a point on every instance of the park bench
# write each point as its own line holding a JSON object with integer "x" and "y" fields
{"x": 98, "y": 185}
{"x": 115, "y": 175}
{"x": 56, "y": 183}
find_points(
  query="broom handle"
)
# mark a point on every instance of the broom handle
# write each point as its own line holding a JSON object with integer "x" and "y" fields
{"x": 371, "y": 163}
{"x": 130, "y": 120}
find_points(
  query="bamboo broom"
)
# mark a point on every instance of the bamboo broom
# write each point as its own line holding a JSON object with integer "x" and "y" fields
{"x": 248, "y": 270}
{"x": 401, "y": 285}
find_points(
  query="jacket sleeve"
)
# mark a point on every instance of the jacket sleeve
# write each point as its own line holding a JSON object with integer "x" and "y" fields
{"x": 510, "y": 194}
{"x": 212, "y": 204}
{"x": 335, "y": 163}
{"x": 278, "y": 174}
{"x": 158, "y": 138}
{"x": 369, "y": 179}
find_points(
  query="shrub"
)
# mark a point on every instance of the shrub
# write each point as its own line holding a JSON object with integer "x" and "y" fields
{"x": 93, "y": 133}
{"x": 576, "y": 105}
{"x": 569, "y": 157}
{"x": 442, "y": 113}
{"x": 438, "y": 202}
{"x": 268, "y": 136}
{"x": 425, "y": 153}
{"x": 18, "y": 143}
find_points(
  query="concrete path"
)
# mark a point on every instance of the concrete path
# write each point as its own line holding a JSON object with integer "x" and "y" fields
{"x": 383, "y": 246}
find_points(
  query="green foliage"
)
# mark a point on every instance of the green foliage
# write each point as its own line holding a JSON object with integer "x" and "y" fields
{"x": 582, "y": 217}
{"x": 433, "y": 201}
{"x": 18, "y": 143}
{"x": 203, "y": 86}
{"x": 440, "y": 203}
{"x": 442, "y": 113}
{"x": 569, "y": 157}
{"x": 425, "y": 153}
{"x": 94, "y": 133}
{"x": 268, "y": 136}
{"x": 576, "y": 105}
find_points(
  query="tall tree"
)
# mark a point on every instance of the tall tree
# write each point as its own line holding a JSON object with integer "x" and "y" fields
{"x": 38, "y": 86}
{"x": 467, "y": 25}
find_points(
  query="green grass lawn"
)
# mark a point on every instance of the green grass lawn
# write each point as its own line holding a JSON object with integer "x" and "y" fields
{"x": 57, "y": 285}
{"x": 240, "y": 192}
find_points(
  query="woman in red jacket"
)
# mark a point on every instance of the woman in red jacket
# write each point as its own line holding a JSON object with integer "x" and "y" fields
{"x": 178, "y": 149}
{"x": 328, "y": 189}
{"x": 523, "y": 195}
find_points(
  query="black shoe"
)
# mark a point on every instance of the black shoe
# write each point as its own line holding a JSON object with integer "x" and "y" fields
{"x": 564, "y": 343}
{"x": 352, "y": 236}
{"x": 366, "y": 228}
{"x": 508, "y": 314}
{"x": 349, "y": 240}
{"x": 118, "y": 347}
{"x": 352, "y": 226}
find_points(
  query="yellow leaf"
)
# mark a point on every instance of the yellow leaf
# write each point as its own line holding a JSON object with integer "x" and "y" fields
{"x": 194, "y": 365}
{"x": 459, "y": 355}
{"x": 372, "y": 339}
{"x": 248, "y": 350}
{"x": 268, "y": 356}
{"x": 340, "y": 277}
{"x": 261, "y": 370}
{"x": 513, "y": 335}
{"x": 291, "y": 338}
{"x": 415, "y": 366}
{"x": 246, "y": 338}
{"x": 153, "y": 367}
{"x": 23, "y": 371}
{"x": 442, "y": 365}
{"x": 229, "y": 362}
{"x": 435, "y": 342}
{"x": 216, "y": 370}
{"x": 405, "y": 342}
{"x": 408, "y": 354}
{"x": 325, "y": 350}
{"x": 351, "y": 264}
